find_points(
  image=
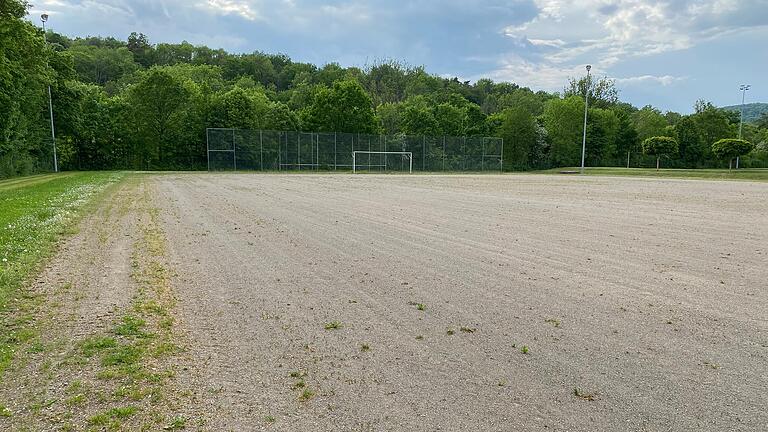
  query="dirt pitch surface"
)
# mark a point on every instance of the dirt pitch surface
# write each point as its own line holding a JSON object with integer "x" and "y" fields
{"x": 455, "y": 303}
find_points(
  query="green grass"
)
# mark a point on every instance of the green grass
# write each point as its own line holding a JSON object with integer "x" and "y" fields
{"x": 131, "y": 326}
{"x": 306, "y": 395}
{"x": 93, "y": 345}
{"x": 752, "y": 174}
{"x": 126, "y": 355}
{"x": 35, "y": 213}
{"x": 178, "y": 423}
{"x": 110, "y": 417}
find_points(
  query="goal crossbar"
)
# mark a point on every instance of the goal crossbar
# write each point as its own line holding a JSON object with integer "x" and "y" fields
{"x": 356, "y": 152}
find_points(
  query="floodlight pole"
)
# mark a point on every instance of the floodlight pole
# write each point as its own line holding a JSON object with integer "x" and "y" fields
{"x": 586, "y": 108}
{"x": 743, "y": 88}
{"x": 44, "y": 18}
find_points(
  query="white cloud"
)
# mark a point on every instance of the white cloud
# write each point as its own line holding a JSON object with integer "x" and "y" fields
{"x": 537, "y": 75}
{"x": 557, "y": 43}
{"x": 569, "y": 33}
{"x": 227, "y": 7}
{"x": 664, "y": 80}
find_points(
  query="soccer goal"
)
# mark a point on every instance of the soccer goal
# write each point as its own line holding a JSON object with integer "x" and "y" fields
{"x": 221, "y": 148}
{"x": 383, "y": 162}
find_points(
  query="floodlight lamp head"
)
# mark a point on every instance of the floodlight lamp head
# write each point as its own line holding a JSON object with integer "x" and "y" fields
{"x": 44, "y": 17}
{"x": 589, "y": 67}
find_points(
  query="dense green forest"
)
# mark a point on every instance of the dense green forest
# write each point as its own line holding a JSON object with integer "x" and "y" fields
{"x": 138, "y": 105}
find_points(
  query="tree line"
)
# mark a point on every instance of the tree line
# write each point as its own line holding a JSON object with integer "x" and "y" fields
{"x": 137, "y": 105}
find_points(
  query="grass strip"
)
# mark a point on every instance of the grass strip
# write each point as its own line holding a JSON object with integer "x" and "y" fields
{"x": 34, "y": 215}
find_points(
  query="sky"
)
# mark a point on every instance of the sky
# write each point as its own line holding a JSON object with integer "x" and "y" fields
{"x": 663, "y": 53}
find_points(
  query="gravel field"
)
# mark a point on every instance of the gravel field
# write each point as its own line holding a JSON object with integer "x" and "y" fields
{"x": 471, "y": 303}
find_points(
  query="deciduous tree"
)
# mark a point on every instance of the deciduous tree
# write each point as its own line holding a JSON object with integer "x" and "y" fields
{"x": 519, "y": 130}
{"x": 660, "y": 146}
{"x": 730, "y": 149}
{"x": 345, "y": 107}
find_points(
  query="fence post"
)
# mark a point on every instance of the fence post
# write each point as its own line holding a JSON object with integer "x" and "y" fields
{"x": 444, "y": 155}
{"x": 385, "y": 149}
{"x": 482, "y": 161}
{"x": 334, "y": 151}
{"x": 234, "y": 149}
{"x": 423, "y": 153}
{"x": 207, "y": 148}
{"x": 261, "y": 151}
{"x": 501, "y": 156}
{"x": 464, "y": 150}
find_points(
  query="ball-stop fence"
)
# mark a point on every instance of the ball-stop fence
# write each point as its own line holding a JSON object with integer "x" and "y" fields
{"x": 262, "y": 150}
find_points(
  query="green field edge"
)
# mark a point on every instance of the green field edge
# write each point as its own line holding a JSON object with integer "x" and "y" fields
{"x": 13, "y": 299}
{"x": 743, "y": 174}
{"x": 17, "y": 182}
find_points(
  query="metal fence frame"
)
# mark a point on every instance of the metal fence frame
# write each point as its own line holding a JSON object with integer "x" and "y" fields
{"x": 265, "y": 150}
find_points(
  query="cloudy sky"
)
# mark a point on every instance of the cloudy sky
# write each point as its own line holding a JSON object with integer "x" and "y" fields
{"x": 664, "y": 53}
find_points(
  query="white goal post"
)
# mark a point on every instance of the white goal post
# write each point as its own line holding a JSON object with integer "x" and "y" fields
{"x": 409, "y": 154}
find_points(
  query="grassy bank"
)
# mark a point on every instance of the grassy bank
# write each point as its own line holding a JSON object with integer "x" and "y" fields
{"x": 35, "y": 213}
{"x": 714, "y": 174}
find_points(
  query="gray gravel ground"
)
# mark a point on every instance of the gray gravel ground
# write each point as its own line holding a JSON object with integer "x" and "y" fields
{"x": 648, "y": 296}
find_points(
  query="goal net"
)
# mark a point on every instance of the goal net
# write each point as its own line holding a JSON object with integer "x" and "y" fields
{"x": 382, "y": 161}
{"x": 221, "y": 149}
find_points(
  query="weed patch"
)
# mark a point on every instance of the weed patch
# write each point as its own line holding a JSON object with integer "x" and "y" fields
{"x": 94, "y": 345}
{"x": 333, "y": 325}
{"x": 580, "y": 394}
{"x": 306, "y": 395}
{"x": 177, "y": 423}
{"x": 131, "y": 326}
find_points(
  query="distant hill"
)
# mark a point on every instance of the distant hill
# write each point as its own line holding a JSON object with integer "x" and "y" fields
{"x": 752, "y": 111}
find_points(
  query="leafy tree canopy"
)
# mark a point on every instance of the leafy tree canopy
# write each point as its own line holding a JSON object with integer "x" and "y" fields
{"x": 730, "y": 148}
{"x": 660, "y": 146}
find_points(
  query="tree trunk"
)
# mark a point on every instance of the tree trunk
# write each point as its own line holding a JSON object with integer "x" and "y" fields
{"x": 628, "y": 153}
{"x": 657, "y": 162}
{"x": 730, "y": 164}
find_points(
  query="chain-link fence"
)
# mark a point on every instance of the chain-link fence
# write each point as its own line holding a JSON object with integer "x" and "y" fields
{"x": 261, "y": 150}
